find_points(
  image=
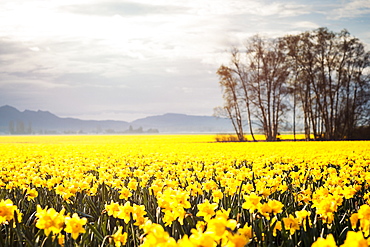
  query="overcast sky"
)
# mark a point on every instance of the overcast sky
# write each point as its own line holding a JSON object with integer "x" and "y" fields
{"x": 123, "y": 60}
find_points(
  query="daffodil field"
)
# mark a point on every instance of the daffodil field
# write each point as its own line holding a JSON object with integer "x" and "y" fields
{"x": 182, "y": 190}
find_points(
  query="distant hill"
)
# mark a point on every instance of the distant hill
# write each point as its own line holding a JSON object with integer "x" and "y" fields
{"x": 181, "y": 123}
{"x": 13, "y": 121}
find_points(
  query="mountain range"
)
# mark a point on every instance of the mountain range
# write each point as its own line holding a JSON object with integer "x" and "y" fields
{"x": 13, "y": 121}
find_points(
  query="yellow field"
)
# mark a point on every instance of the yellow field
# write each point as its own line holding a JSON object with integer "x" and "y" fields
{"x": 182, "y": 190}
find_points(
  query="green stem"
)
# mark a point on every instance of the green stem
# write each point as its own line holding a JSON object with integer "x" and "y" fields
{"x": 105, "y": 238}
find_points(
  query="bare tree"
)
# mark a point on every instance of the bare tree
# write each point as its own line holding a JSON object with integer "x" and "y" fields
{"x": 232, "y": 104}
{"x": 268, "y": 73}
{"x": 331, "y": 83}
{"x": 240, "y": 71}
{"x": 325, "y": 74}
{"x": 353, "y": 95}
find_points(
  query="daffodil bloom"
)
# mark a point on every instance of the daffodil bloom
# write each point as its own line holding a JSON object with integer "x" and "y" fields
{"x": 155, "y": 187}
{"x": 119, "y": 237}
{"x": 363, "y": 215}
{"x": 210, "y": 185}
{"x": 355, "y": 239}
{"x": 354, "y": 220}
{"x": 276, "y": 206}
{"x": 185, "y": 242}
{"x": 283, "y": 187}
{"x": 31, "y": 194}
{"x": 170, "y": 216}
{"x": 7, "y": 210}
{"x": 112, "y": 209}
{"x": 124, "y": 193}
{"x": 276, "y": 226}
{"x": 367, "y": 195}
{"x": 138, "y": 214}
{"x": 223, "y": 213}
{"x": 50, "y": 220}
{"x": 75, "y": 225}
{"x": 64, "y": 192}
{"x": 200, "y": 238}
{"x": 302, "y": 216}
{"x": 173, "y": 203}
{"x": 252, "y": 202}
{"x": 271, "y": 207}
{"x": 148, "y": 226}
{"x": 364, "y": 212}
{"x": 348, "y": 192}
{"x": 291, "y": 224}
{"x": 201, "y": 225}
{"x": 157, "y": 236}
{"x": 325, "y": 242}
{"x": 217, "y": 195}
{"x": 304, "y": 196}
{"x": 182, "y": 199}
{"x": 219, "y": 226}
{"x": 206, "y": 209}
{"x": 195, "y": 189}
{"x": 237, "y": 240}
{"x": 265, "y": 192}
{"x": 125, "y": 212}
{"x": 132, "y": 185}
{"x": 326, "y": 208}
{"x": 246, "y": 231}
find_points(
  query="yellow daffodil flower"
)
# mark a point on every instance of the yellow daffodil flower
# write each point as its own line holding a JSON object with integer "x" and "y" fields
{"x": 75, "y": 225}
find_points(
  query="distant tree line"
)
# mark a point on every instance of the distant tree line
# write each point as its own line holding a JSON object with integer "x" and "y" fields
{"x": 20, "y": 128}
{"x": 319, "y": 77}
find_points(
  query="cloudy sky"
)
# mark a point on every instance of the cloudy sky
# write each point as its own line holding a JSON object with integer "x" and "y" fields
{"x": 118, "y": 59}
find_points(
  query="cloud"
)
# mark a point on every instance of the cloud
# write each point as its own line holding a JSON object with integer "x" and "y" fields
{"x": 148, "y": 29}
{"x": 304, "y": 25}
{"x": 35, "y": 48}
{"x": 7, "y": 46}
{"x": 350, "y": 9}
{"x": 143, "y": 56}
{"x": 278, "y": 9}
{"x": 122, "y": 8}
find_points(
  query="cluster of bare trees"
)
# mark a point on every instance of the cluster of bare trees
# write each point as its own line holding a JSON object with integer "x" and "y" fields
{"x": 320, "y": 79}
